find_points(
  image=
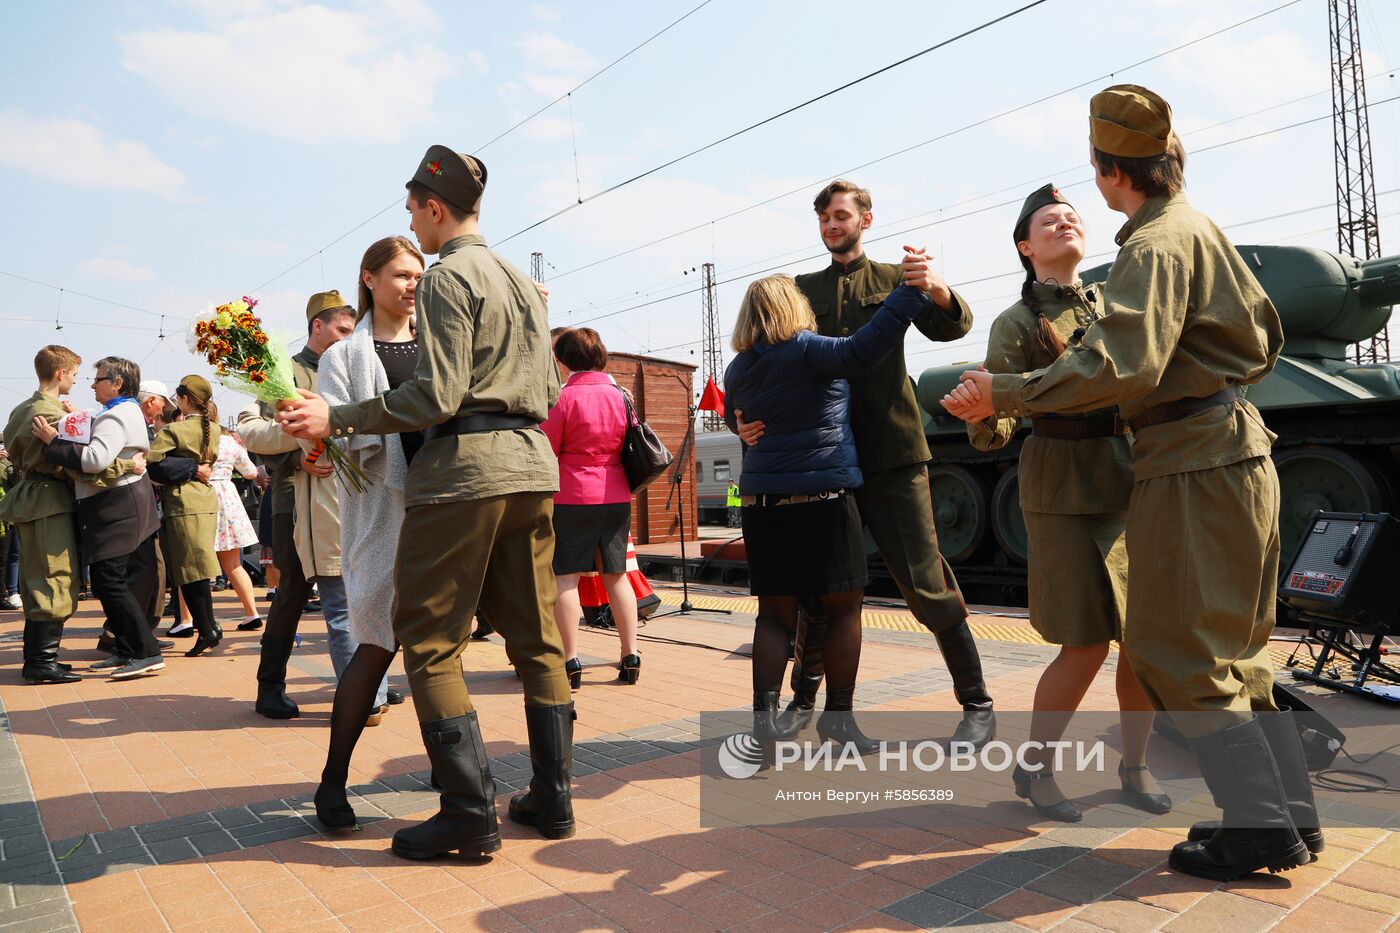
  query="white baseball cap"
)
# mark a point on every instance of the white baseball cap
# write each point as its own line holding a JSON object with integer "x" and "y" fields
{"x": 151, "y": 387}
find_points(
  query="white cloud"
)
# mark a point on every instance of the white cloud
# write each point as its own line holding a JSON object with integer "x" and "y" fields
{"x": 478, "y": 62}
{"x": 81, "y": 154}
{"x": 116, "y": 270}
{"x": 299, "y": 71}
{"x": 545, "y": 15}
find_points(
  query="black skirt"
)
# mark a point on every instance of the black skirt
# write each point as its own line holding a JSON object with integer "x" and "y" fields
{"x": 591, "y": 537}
{"x": 807, "y": 549}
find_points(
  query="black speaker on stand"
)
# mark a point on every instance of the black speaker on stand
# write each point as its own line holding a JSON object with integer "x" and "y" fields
{"x": 1346, "y": 578}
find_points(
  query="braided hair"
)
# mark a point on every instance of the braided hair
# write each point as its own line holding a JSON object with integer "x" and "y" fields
{"x": 1046, "y": 340}
{"x": 206, "y": 451}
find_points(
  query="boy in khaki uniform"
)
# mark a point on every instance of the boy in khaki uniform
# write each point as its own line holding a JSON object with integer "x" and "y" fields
{"x": 1186, "y": 323}
{"x": 478, "y": 527}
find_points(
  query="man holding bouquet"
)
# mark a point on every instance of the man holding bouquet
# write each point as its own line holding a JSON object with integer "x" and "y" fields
{"x": 478, "y": 528}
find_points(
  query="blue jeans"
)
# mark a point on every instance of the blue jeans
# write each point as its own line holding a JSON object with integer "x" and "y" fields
{"x": 12, "y": 560}
{"x": 336, "y": 609}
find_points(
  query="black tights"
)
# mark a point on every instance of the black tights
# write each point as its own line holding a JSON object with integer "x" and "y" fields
{"x": 777, "y": 620}
{"x": 200, "y": 601}
{"x": 354, "y": 701}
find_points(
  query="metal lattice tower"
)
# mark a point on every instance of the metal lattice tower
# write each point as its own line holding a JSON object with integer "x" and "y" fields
{"x": 537, "y": 266}
{"x": 712, "y": 362}
{"x": 1358, "y": 224}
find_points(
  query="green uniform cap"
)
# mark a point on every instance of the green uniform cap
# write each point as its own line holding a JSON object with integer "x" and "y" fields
{"x": 322, "y": 302}
{"x": 1043, "y": 196}
{"x": 198, "y": 387}
{"x": 1130, "y": 122}
{"x": 456, "y": 178}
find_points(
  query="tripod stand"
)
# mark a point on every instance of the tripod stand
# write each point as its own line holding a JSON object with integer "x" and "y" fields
{"x": 677, "y": 476}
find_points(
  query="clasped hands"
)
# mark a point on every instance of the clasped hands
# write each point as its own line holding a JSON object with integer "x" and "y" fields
{"x": 971, "y": 398}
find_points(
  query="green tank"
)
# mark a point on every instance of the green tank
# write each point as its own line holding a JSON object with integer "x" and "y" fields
{"x": 1338, "y": 422}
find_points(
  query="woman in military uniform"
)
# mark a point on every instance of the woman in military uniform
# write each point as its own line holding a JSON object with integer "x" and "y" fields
{"x": 1075, "y": 480}
{"x": 191, "y": 510}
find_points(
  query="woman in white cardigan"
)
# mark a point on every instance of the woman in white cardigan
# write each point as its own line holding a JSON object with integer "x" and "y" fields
{"x": 381, "y": 353}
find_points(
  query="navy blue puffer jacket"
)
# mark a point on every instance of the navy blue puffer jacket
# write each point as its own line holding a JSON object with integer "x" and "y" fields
{"x": 798, "y": 390}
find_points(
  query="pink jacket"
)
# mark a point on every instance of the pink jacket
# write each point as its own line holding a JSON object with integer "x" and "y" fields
{"x": 585, "y": 428}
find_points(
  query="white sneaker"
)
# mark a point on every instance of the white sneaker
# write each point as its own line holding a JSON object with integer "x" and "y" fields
{"x": 13, "y": 602}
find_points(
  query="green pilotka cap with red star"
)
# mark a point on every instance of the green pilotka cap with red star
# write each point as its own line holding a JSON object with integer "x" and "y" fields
{"x": 1043, "y": 196}
{"x": 457, "y": 178}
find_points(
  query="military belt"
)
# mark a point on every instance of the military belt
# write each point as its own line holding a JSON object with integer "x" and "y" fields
{"x": 1078, "y": 429}
{"x": 1181, "y": 408}
{"x": 34, "y": 477}
{"x": 479, "y": 424}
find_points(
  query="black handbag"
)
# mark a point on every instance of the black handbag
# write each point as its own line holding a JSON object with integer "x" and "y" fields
{"x": 644, "y": 457}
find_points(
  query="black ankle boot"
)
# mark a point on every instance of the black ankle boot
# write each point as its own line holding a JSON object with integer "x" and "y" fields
{"x": 979, "y": 723}
{"x": 548, "y": 804}
{"x": 201, "y": 604}
{"x": 41, "y": 640}
{"x": 769, "y": 725}
{"x": 1281, "y": 732}
{"x": 272, "y": 679}
{"x": 1256, "y": 830}
{"x": 838, "y": 724}
{"x": 466, "y": 822}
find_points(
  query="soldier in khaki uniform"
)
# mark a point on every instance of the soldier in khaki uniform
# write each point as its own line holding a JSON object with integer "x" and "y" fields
{"x": 1185, "y": 324}
{"x": 190, "y": 511}
{"x": 1075, "y": 479}
{"x": 41, "y": 507}
{"x": 894, "y": 503}
{"x": 478, "y": 524}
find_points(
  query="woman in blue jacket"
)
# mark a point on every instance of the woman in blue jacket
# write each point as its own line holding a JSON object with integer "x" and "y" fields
{"x": 801, "y": 528}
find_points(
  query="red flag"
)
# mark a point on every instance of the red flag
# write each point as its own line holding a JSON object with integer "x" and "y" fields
{"x": 712, "y": 399}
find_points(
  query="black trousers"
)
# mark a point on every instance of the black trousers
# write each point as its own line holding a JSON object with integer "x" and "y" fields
{"x": 293, "y": 589}
{"x": 115, "y": 583}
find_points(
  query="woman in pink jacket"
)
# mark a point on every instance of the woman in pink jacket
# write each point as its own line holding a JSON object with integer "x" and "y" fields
{"x": 593, "y": 508}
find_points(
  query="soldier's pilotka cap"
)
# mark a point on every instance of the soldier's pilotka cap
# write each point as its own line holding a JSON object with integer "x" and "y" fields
{"x": 1043, "y": 196}
{"x": 197, "y": 387}
{"x": 322, "y": 302}
{"x": 1129, "y": 121}
{"x": 457, "y": 178}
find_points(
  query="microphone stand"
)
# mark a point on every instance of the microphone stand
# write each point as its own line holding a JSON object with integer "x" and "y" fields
{"x": 677, "y": 476}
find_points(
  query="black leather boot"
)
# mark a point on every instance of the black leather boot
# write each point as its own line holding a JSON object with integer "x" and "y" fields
{"x": 41, "y": 641}
{"x": 1281, "y": 732}
{"x": 808, "y": 668}
{"x": 272, "y": 679}
{"x": 466, "y": 820}
{"x": 548, "y": 804}
{"x": 838, "y": 724}
{"x": 1256, "y": 831}
{"x": 979, "y": 723}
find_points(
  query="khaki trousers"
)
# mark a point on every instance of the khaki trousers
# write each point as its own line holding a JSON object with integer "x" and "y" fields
{"x": 453, "y": 556}
{"x": 48, "y": 567}
{"x": 1202, "y": 573}
{"x": 895, "y": 505}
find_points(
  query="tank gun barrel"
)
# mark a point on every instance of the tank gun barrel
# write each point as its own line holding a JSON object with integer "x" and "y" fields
{"x": 1380, "y": 282}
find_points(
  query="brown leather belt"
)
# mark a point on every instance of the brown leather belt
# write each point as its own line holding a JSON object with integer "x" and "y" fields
{"x": 1078, "y": 429}
{"x": 479, "y": 424}
{"x": 1181, "y": 408}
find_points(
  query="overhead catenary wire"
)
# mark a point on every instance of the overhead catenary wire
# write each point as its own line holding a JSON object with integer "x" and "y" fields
{"x": 398, "y": 200}
{"x": 943, "y": 220}
{"x": 618, "y": 186}
{"x": 946, "y": 135}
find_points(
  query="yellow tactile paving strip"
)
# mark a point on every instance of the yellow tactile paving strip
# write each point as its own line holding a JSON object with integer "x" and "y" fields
{"x": 901, "y": 620}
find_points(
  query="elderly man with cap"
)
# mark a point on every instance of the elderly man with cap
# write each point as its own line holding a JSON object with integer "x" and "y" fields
{"x": 305, "y": 519}
{"x": 1185, "y": 324}
{"x": 478, "y": 527}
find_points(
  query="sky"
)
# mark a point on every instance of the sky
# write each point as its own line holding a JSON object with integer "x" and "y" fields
{"x": 158, "y": 157}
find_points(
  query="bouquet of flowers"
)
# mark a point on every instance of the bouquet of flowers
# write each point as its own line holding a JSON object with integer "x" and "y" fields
{"x": 246, "y": 360}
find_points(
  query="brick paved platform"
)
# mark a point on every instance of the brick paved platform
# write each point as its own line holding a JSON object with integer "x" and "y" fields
{"x": 166, "y": 803}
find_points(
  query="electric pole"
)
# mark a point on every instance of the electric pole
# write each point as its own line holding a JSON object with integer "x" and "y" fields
{"x": 1358, "y": 223}
{"x": 712, "y": 362}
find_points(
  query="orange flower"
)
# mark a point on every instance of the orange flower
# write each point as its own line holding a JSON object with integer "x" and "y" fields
{"x": 250, "y": 362}
{"x": 257, "y": 378}
{"x": 261, "y": 338}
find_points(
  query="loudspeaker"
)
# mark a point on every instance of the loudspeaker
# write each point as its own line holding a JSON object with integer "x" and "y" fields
{"x": 1345, "y": 572}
